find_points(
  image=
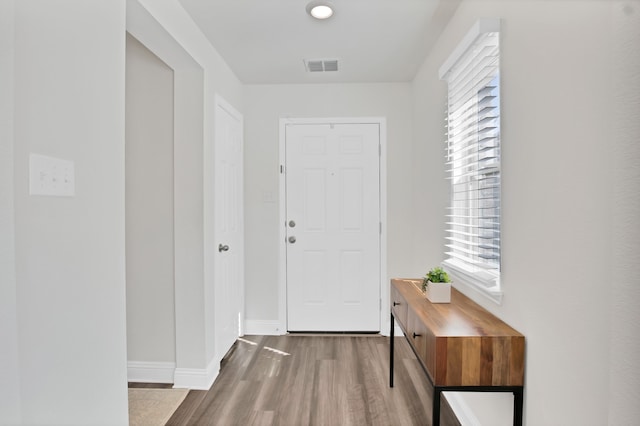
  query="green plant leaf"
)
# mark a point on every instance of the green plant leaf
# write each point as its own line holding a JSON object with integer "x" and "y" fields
{"x": 437, "y": 275}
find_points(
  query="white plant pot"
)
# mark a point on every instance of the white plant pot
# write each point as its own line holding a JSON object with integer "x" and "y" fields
{"x": 438, "y": 292}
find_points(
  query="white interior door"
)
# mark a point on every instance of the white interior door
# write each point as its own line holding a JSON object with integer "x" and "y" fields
{"x": 333, "y": 227}
{"x": 229, "y": 256}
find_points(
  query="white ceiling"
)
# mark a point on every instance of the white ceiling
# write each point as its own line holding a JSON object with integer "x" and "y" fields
{"x": 267, "y": 41}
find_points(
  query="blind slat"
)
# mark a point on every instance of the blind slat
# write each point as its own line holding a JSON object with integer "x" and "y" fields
{"x": 472, "y": 156}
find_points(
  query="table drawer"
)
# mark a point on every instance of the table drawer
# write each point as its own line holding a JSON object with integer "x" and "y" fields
{"x": 417, "y": 335}
{"x": 399, "y": 307}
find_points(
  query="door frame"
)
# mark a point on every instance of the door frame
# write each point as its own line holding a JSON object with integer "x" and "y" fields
{"x": 282, "y": 253}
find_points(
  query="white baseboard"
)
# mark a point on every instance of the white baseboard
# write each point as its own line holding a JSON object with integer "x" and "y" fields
{"x": 150, "y": 372}
{"x": 461, "y": 409}
{"x": 275, "y": 328}
{"x": 264, "y": 328}
{"x": 196, "y": 378}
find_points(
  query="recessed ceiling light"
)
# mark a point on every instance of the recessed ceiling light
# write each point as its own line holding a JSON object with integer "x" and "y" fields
{"x": 320, "y": 9}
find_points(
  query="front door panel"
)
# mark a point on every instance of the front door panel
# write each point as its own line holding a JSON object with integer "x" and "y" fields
{"x": 333, "y": 227}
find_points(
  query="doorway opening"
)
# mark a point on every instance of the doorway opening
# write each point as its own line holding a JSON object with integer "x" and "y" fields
{"x": 149, "y": 215}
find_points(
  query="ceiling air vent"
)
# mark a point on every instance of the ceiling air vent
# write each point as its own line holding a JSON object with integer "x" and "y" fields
{"x": 321, "y": 65}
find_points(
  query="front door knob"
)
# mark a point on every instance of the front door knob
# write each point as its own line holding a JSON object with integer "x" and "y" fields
{"x": 222, "y": 248}
{"x": 292, "y": 239}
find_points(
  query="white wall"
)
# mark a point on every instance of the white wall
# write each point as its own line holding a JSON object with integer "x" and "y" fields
{"x": 69, "y": 252}
{"x": 10, "y": 407}
{"x": 65, "y": 304}
{"x": 556, "y": 69}
{"x": 264, "y": 106}
{"x": 149, "y": 206}
{"x": 624, "y": 344}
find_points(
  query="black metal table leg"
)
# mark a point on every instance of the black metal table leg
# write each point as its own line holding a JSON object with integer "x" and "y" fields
{"x": 391, "y": 337}
{"x": 437, "y": 391}
{"x": 518, "y": 402}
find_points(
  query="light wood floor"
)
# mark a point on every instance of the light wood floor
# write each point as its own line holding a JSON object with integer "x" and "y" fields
{"x": 314, "y": 380}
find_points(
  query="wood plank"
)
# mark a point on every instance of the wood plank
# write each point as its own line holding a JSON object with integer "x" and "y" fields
{"x": 516, "y": 371}
{"x": 471, "y": 361}
{"x": 500, "y": 368}
{"x": 187, "y": 409}
{"x": 454, "y": 362}
{"x": 487, "y": 371}
{"x": 314, "y": 380}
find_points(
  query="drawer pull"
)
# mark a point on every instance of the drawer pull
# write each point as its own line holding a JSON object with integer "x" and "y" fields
{"x": 415, "y": 335}
{"x": 396, "y": 303}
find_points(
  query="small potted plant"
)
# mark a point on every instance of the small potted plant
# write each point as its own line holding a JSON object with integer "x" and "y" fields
{"x": 436, "y": 285}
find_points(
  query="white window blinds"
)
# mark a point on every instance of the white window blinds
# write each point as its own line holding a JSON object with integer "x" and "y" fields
{"x": 473, "y": 157}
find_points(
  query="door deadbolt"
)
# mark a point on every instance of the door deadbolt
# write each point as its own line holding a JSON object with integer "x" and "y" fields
{"x": 222, "y": 248}
{"x": 292, "y": 224}
{"x": 292, "y": 239}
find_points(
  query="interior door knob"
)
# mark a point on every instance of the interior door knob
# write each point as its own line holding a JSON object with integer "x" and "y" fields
{"x": 222, "y": 248}
{"x": 292, "y": 239}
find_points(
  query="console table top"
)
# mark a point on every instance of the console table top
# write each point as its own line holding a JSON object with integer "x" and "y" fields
{"x": 461, "y": 318}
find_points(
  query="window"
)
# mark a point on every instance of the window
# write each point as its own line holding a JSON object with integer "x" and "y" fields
{"x": 472, "y": 157}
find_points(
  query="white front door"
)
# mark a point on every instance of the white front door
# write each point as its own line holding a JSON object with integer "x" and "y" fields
{"x": 333, "y": 227}
{"x": 228, "y": 231}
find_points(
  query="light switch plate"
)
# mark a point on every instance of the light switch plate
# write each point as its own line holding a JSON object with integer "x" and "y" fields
{"x": 51, "y": 176}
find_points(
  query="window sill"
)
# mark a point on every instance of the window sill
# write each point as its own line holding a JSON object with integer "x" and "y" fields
{"x": 487, "y": 288}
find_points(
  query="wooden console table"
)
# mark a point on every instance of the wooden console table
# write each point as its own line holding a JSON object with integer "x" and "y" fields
{"x": 461, "y": 346}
